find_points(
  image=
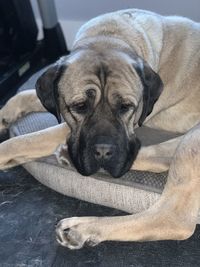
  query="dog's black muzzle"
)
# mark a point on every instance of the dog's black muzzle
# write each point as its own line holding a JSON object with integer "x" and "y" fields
{"x": 103, "y": 144}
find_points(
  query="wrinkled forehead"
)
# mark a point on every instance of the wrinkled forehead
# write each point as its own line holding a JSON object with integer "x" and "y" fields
{"x": 110, "y": 74}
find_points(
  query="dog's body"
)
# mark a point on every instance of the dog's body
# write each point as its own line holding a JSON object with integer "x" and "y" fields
{"x": 111, "y": 83}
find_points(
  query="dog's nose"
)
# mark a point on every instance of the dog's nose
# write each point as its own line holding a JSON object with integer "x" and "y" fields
{"x": 103, "y": 151}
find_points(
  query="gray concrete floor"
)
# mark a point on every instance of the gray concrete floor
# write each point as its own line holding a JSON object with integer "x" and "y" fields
{"x": 29, "y": 212}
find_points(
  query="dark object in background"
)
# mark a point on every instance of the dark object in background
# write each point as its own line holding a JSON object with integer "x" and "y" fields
{"x": 18, "y": 27}
{"x": 21, "y": 54}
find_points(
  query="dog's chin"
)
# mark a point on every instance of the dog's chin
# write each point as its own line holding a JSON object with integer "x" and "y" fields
{"x": 90, "y": 168}
{"x": 87, "y": 171}
{"x": 115, "y": 173}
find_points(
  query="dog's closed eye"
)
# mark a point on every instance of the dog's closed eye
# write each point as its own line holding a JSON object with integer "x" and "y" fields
{"x": 125, "y": 107}
{"x": 80, "y": 108}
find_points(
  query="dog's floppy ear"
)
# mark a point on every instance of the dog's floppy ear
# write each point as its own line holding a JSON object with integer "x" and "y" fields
{"x": 152, "y": 88}
{"x": 47, "y": 88}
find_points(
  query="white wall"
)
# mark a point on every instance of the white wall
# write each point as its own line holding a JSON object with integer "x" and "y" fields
{"x": 69, "y": 27}
{"x": 73, "y": 13}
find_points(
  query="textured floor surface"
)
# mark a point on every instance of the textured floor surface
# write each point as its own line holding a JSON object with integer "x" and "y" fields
{"x": 29, "y": 211}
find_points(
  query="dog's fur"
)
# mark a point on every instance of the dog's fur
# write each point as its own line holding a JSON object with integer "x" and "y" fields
{"x": 111, "y": 83}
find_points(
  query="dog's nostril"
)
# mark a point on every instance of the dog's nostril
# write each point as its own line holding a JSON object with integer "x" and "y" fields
{"x": 103, "y": 151}
{"x": 97, "y": 153}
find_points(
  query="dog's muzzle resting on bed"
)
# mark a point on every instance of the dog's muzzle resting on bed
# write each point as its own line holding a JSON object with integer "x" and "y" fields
{"x": 102, "y": 94}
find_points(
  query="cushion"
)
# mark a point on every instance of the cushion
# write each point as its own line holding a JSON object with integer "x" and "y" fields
{"x": 133, "y": 192}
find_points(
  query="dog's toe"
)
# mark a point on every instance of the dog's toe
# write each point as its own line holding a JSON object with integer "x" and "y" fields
{"x": 70, "y": 239}
{"x": 74, "y": 235}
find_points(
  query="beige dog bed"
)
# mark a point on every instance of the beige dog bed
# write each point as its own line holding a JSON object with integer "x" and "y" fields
{"x": 133, "y": 192}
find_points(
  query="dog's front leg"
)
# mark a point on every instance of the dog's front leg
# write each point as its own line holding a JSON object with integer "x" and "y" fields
{"x": 24, "y": 148}
{"x": 174, "y": 216}
{"x": 18, "y": 106}
{"x": 156, "y": 158}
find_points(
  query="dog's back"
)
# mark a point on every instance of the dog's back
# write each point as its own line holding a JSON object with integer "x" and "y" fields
{"x": 170, "y": 45}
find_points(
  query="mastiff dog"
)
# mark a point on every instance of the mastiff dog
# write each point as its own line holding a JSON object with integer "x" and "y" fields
{"x": 126, "y": 69}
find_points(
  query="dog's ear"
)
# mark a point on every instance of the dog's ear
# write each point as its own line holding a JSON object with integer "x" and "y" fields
{"x": 47, "y": 88}
{"x": 152, "y": 88}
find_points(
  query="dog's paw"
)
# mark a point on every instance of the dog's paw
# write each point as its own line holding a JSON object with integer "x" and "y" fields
{"x": 76, "y": 231}
{"x": 62, "y": 156}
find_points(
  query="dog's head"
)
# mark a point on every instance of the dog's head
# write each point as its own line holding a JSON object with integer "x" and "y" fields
{"x": 102, "y": 96}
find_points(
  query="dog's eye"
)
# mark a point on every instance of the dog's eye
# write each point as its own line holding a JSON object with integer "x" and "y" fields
{"x": 124, "y": 108}
{"x": 80, "y": 108}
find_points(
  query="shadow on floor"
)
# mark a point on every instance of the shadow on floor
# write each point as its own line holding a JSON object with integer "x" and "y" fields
{"x": 29, "y": 212}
